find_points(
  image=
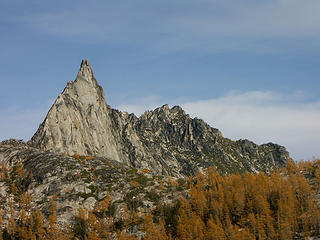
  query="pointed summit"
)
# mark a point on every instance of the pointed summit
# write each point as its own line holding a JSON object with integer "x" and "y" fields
{"x": 78, "y": 118}
{"x": 85, "y": 70}
{"x": 166, "y": 141}
{"x": 85, "y": 63}
{"x": 85, "y": 88}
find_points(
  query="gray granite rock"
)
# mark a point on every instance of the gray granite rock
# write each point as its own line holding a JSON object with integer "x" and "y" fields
{"x": 76, "y": 181}
{"x": 167, "y": 140}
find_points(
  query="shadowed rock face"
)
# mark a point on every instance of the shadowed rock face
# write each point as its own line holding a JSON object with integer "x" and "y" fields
{"x": 166, "y": 141}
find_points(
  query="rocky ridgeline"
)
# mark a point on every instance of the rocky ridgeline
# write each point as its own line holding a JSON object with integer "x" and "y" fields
{"x": 166, "y": 141}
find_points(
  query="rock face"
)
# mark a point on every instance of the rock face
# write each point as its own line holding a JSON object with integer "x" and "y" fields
{"x": 80, "y": 121}
{"x": 166, "y": 141}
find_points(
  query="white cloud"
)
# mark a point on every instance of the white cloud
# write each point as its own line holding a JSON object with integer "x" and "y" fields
{"x": 261, "y": 117}
{"x": 203, "y": 24}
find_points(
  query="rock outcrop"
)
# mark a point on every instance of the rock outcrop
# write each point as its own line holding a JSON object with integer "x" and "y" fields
{"x": 77, "y": 181}
{"x": 166, "y": 141}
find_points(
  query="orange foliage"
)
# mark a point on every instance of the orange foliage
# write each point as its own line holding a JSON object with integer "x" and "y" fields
{"x": 247, "y": 206}
{"x": 134, "y": 184}
{"x": 20, "y": 171}
{"x": 145, "y": 170}
{"x": 4, "y": 170}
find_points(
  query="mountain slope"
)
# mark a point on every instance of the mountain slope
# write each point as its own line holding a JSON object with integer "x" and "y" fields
{"x": 75, "y": 181}
{"x": 166, "y": 141}
{"x": 121, "y": 199}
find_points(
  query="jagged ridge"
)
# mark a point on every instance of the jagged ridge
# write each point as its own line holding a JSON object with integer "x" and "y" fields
{"x": 166, "y": 140}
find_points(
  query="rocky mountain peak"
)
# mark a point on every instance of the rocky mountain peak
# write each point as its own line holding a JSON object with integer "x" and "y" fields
{"x": 166, "y": 140}
{"x": 77, "y": 120}
{"x": 85, "y": 89}
{"x": 85, "y": 71}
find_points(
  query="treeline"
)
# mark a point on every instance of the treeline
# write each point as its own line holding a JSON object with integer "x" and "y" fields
{"x": 247, "y": 206}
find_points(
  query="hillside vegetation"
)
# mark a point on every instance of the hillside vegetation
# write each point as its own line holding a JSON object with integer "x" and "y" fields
{"x": 282, "y": 205}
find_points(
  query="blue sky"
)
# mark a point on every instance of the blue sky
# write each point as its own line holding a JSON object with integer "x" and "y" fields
{"x": 249, "y": 68}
